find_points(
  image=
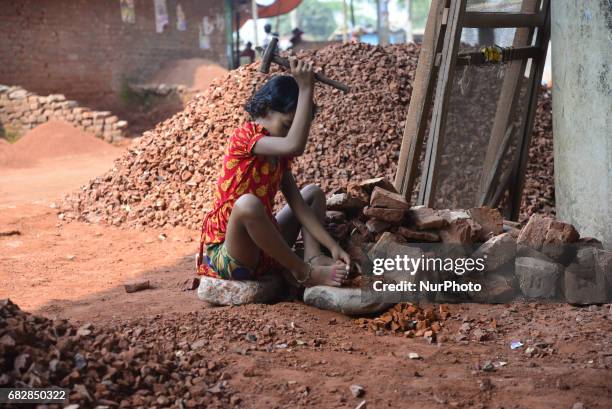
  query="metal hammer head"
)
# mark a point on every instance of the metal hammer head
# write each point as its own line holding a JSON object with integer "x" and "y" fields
{"x": 269, "y": 52}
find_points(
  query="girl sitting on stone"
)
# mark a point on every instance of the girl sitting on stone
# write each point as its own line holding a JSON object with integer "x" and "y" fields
{"x": 241, "y": 239}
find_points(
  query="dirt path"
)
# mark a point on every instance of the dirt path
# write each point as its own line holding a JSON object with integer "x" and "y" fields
{"x": 289, "y": 355}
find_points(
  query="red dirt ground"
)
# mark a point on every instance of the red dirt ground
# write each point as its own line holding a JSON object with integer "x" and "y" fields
{"x": 76, "y": 271}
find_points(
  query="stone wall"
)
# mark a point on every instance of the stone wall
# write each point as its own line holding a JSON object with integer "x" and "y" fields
{"x": 22, "y": 110}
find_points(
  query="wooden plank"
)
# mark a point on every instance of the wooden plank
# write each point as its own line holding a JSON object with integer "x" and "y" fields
{"x": 443, "y": 89}
{"x": 501, "y": 188}
{"x": 537, "y": 69}
{"x": 502, "y": 20}
{"x": 508, "y": 99}
{"x": 420, "y": 102}
{"x": 496, "y": 167}
{"x": 509, "y": 54}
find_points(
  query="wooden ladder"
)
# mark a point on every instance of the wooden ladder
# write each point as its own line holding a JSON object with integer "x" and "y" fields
{"x": 434, "y": 76}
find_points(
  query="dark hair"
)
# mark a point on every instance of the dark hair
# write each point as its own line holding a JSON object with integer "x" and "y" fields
{"x": 278, "y": 94}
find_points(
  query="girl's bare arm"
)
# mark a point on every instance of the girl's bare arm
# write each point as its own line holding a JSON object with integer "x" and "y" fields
{"x": 295, "y": 141}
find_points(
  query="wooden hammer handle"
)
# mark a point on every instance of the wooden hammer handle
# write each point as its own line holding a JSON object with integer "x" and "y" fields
{"x": 319, "y": 77}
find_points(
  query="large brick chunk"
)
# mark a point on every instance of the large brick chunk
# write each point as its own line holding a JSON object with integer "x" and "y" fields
{"x": 538, "y": 278}
{"x": 377, "y": 226}
{"x": 388, "y": 247}
{"x": 386, "y": 215}
{"x": 369, "y": 185}
{"x": 496, "y": 289}
{"x": 558, "y": 241}
{"x": 384, "y": 198}
{"x": 419, "y": 236}
{"x": 585, "y": 283}
{"x": 460, "y": 231}
{"x": 604, "y": 266}
{"x": 344, "y": 201}
{"x": 534, "y": 232}
{"x": 497, "y": 251}
{"x": 425, "y": 218}
{"x": 489, "y": 219}
{"x": 561, "y": 233}
{"x": 364, "y": 189}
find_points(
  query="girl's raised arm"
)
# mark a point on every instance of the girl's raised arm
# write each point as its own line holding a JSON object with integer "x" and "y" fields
{"x": 295, "y": 141}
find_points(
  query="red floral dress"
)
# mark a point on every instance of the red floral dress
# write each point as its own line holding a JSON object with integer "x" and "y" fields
{"x": 243, "y": 172}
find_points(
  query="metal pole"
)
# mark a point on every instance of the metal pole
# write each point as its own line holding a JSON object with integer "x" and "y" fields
{"x": 237, "y": 56}
{"x": 254, "y": 13}
{"x": 344, "y": 22}
{"x": 409, "y": 38}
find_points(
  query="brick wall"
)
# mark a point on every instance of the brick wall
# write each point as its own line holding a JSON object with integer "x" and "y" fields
{"x": 82, "y": 49}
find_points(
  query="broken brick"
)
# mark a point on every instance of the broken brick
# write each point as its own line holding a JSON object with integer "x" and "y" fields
{"x": 534, "y": 232}
{"x": 425, "y": 218}
{"x": 137, "y": 285}
{"x": 489, "y": 219}
{"x": 387, "y": 215}
{"x": 418, "y": 236}
{"x": 384, "y": 198}
{"x": 460, "y": 231}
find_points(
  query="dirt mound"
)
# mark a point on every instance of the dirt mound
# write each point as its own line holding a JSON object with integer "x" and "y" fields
{"x": 51, "y": 140}
{"x": 169, "y": 176}
{"x": 127, "y": 366}
{"x": 195, "y": 73}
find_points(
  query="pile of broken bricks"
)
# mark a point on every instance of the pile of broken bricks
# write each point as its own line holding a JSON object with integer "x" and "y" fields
{"x": 168, "y": 177}
{"x": 409, "y": 319}
{"x": 546, "y": 259}
{"x": 135, "y": 364}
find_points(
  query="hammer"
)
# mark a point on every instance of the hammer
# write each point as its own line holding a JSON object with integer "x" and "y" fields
{"x": 270, "y": 55}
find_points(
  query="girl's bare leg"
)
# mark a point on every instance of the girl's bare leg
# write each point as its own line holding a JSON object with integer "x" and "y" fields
{"x": 290, "y": 226}
{"x": 250, "y": 229}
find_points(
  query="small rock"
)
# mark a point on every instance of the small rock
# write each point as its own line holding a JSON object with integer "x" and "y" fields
{"x": 357, "y": 390}
{"x": 413, "y": 355}
{"x": 485, "y": 385}
{"x": 488, "y": 366}
{"x": 137, "y": 285}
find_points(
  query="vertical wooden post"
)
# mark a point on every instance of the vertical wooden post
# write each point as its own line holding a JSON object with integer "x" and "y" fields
{"x": 438, "y": 121}
{"x": 420, "y": 101}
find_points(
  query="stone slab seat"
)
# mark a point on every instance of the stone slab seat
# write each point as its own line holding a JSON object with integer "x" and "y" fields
{"x": 218, "y": 291}
{"x": 346, "y": 301}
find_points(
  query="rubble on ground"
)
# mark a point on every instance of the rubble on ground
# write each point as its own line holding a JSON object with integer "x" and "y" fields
{"x": 168, "y": 177}
{"x": 129, "y": 366}
{"x": 410, "y": 320}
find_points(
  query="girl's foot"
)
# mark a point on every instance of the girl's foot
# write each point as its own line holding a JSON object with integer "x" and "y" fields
{"x": 322, "y": 260}
{"x": 333, "y": 275}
